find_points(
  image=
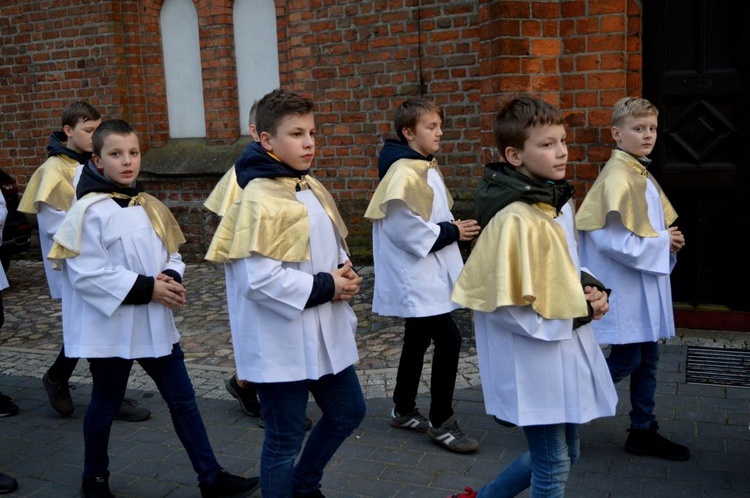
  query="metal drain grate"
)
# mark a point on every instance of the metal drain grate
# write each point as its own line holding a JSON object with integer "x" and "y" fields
{"x": 721, "y": 367}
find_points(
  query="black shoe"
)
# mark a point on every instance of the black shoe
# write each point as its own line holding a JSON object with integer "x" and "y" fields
{"x": 7, "y": 484}
{"x": 96, "y": 487}
{"x": 7, "y": 407}
{"x": 227, "y": 484}
{"x": 308, "y": 423}
{"x": 247, "y": 397}
{"x": 650, "y": 442}
{"x": 316, "y": 494}
{"x": 504, "y": 423}
{"x": 130, "y": 412}
{"x": 59, "y": 396}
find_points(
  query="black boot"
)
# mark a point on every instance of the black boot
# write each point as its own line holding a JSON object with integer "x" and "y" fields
{"x": 96, "y": 487}
{"x": 650, "y": 442}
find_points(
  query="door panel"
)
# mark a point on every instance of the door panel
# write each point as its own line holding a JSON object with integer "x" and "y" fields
{"x": 695, "y": 69}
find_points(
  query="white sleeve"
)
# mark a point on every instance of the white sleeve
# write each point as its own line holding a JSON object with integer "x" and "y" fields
{"x": 527, "y": 322}
{"x": 93, "y": 276}
{"x": 268, "y": 283}
{"x": 49, "y": 220}
{"x": 3, "y": 215}
{"x": 408, "y": 231}
{"x": 645, "y": 254}
{"x": 175, "y": 263}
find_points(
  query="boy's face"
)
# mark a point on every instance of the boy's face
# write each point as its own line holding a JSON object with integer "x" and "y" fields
{"x": 636, "y": 134}
{"x": 294, "y": 141}
{"x": 121, "y": 159}
{"x": 544, "y": 155}
{"x": 79, "y": 136}
{"x": 425, "y": 137}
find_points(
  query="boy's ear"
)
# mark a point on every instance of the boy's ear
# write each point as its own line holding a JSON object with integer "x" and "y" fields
{"x": 513, "y": 156}
{"x": 68, "y": 131}
{"x": 408, "y": 134}
{"x": 616, "y": 134}
{"x": 96, "y": 160}
{"x": 265, "y": 141}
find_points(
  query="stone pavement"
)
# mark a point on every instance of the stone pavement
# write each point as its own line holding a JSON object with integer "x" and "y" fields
{"x": 44, "y": 452}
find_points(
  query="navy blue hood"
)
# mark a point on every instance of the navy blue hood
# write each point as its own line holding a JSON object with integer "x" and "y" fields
{"x": 56, "y": 147}
{"x": 255, "y": 162}
{"x": 93, "y": 180}
{"x": 393, "y": 150}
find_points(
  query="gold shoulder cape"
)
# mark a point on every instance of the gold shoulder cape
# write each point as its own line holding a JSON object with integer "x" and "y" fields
{"x": 51, "y": 183}
{"x": 224, "y": 193}
{"x": 621, "y": 187}
{"x": 521, "y": 258}
{"x": 68, "y": 238}
{"x": 268, "y": 219}
{"x": 406, "y": 180}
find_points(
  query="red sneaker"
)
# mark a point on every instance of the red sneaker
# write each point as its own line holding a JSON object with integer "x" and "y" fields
{"x": 468, "y": 493}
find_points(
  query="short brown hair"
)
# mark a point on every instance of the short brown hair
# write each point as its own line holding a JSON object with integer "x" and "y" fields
{"x": 632, "y": 106}
{"x": 278, "y": 104}
{"x": 408, "y": 113}
{"x": 517, "y": 115}
{"x": 107, "y": 128}
{"x": 79, "y": 111}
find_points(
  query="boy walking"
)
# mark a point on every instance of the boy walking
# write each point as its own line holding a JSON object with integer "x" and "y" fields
{"x": 49, "y": 195}
{"x": 417, "y": 261}
{"x": 541, "y": 366}
{"x": 122, "y": 273}
{"x": 627, "y": 237}
{"x": 288, "y": 282}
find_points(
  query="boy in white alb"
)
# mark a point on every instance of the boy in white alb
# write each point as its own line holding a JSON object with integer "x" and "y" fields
{"x": 541, "y": 366}
{"x": 626, "y": 237}
{"x": 417, "y": 261}
{"x": 122, "y": 275}
{"x": 288, "y": 279}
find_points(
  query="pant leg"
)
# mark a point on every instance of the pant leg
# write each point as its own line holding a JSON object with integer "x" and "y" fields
{"x": 416, "y": 341}
{"x": 62, "y": 369}
{"x": 447, "y": 339}
{"x": 550, "y": 458}
{"x": 622, "y": 360}
{"x": 110, "y": 379}
{"x": 172, "y": 380}
{"x": 643, "y": 387}
{"x": 341, "y": 400}
{"x": 510, "y": 482}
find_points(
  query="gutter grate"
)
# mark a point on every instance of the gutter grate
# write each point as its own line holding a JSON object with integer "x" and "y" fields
{"x": 717, "y": 366}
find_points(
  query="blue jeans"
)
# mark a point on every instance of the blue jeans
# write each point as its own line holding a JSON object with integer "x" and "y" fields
{"x": 545, "y": 467}
{"x": 110, "y": 376}
{"x": 640, "y": 361}
{"x": 284, "y": 405}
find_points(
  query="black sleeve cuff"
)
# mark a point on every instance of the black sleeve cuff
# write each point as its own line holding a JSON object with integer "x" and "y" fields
{"x": 449, "y": 234}
{"x": 588, "y": 280}
{"x": 141, "y": 292}
{"x": 175, "y": 275}
{"x": 323, "y": 290}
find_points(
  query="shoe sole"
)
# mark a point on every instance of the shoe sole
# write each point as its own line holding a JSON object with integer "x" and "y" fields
{"x": 684, "y": 458}
{"x": 411, "y": 425}
{"x": 439, "y": 441}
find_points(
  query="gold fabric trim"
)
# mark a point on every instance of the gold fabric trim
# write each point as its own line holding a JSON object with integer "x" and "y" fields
{"x": 51, "y": 183}
{"x": 68, "y": 238}
{"x": 521, "y": 258}
{"x": 406, "y": 180}
{"x": 621, "y": 187}
{"x": 224, "y": 193}
{"x": 268, "y": 219}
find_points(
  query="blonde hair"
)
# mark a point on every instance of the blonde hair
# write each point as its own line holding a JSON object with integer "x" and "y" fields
{"x": 632, "y": 106}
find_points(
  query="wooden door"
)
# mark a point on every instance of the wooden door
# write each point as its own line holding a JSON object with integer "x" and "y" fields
{"x": 695, "y": 69}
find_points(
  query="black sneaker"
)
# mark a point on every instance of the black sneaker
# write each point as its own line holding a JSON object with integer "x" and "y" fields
{"x": 316, "y": 494}
{"x": 130, "y": 411}
{"x": 650, "y": 442}
{"x": 96, "y": 487}
{"x": 412, "y": 420}
{"x": 59, "y": 396}
{"x": 248, "y": 398}
{"x": 7, "y": 484}
{"x": 450, "y": 436}
{"x": 7, "y": 407}
{"x": 227, "y": 484}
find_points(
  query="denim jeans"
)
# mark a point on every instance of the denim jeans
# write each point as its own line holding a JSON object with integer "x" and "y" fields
{"x": 284, "y": 407}
{"x": 545, "y": 467}
{"x": 640, "y": 361}
{"x": 110, "y": 376}
{"x": 418, "y": 333}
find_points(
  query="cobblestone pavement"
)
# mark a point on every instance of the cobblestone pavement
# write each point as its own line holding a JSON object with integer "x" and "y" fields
{"x": 44, "y": 452}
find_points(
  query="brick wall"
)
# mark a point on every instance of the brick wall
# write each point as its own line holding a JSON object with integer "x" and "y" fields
{"x": 357, "y": 60}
